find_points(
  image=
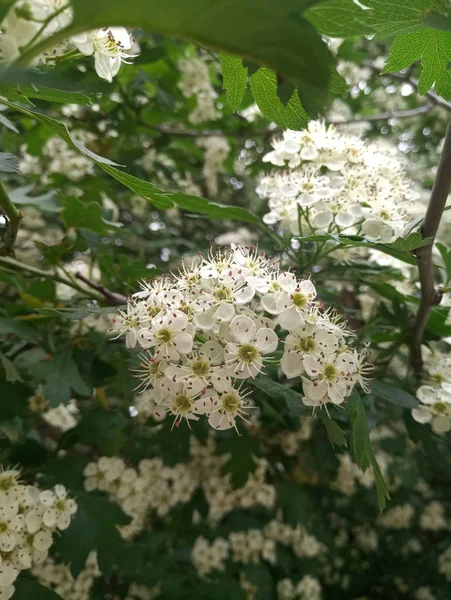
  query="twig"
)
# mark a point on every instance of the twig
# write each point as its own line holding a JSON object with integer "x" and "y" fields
{"x": 430, "y": 296}
{"x": 15, "y": 264}
{"x": 14, "y": 218}
{"x": 407, "y": 78}
{"x": 177, "y": 131}
{"x": 113, "y": 298}
{"x": 402, "y": 114}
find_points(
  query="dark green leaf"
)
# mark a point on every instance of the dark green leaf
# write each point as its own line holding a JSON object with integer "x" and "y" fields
{"x": 43, "y": 93}
{"x": 282, "y": 393}
{"x": 242, "y": 452}
{"x": 11, "y": 373}
{"x": 437, "y": 21}
{"x": 61, "y": 376}
{"x": 18, "y": 328}
{"x": 361, "y": 445}
{"x": 27, "y": 588}
{"x": 235, "y": 80}
{"x": 339, "y": 18}
{"x": 85, "y": 215}
{"x": 47, "y": 202}
{"x": 446, "y": 256}
{"x": 334, "y": 431}
{"x": 391, "y": 393}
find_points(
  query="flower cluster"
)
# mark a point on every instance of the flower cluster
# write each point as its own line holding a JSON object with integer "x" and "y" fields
{"x": 217, "y": 150}
{"x": 23, "y": 26}
{"x": 155, "y": 487}
{"x": 335, "y": 183}
{"x": 435, "y": 394}
{"x": 212, "y": 327}
{"x": 195, "y": 81}
{"x": 28, "y": 519}
{"x": 308, "y": 588}
{"x": 59, "y": 578}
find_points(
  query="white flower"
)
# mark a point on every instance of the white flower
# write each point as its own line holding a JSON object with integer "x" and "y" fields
{"x": 10, "y": 523}
{"x": 331, "y": 378}
{"x": 226, "y": 407}
{"x": 306, "y": 339}
{"x": 59, "y": 509}
{"x": 294, "y": 302}
{"x": 109, "y": 46}
{"x": 244, "y": 356}
{"x": 197, "y": 371}
{"x": 167, "y": 335}
{"x": 435, "y": 408}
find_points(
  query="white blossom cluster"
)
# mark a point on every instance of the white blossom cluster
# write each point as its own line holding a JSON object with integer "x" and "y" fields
{"x": 211, "y": 327}
{"x": 195, "y": 81}
{"x": 155, "y": 487}
{"x": 335, "y": 183}
{"x": 28, "y": 519}
{"x": 308, "y": 588}
{"x": 59, "y": 578}
{"x": 30, "y": 21}
{"x": 435, "y": 394}
{"x": 217, "y": 150}
{"x": 253, "y": 546}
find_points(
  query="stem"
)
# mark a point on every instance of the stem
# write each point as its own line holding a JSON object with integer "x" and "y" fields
{"x": 402, "y": 114}
{"x": 113, "y": 298}
{"x": 14, "y": 217}
{"x": 15, "y": 264}
{"x": 429, "y": 295}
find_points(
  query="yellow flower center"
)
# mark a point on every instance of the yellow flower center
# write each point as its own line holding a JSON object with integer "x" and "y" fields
{"x": 247, "y": 353}
{"x": 182, "y": 404}
{"x": 164, "y": 336}
{"x": 200, "y": 367}
{"x": 230, "y": 402}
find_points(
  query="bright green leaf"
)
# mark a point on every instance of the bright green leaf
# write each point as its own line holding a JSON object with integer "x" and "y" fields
{"x": 235, "y": 80}
{"x": 339, "y": 18}
{"x": 264, "y": 89}
{"x": 399, "y": 16}
{"x": 433, "y": 48}
{"x": 43, "y": 93}
{"x": 277, "y": 391}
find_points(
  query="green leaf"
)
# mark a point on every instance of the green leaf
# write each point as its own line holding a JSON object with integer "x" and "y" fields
{"x": 11, "y": 373}
{"x": 94, "y": 527}
{"x": 235, "y": 80}
{"x": 77, "y": 312}
{"x": 273, "y": 35}
{"x": 242, "y": 450}
{"x": 433, "y": 48}
{"x": 391, "y": 18}
{"x": 391, "y": 393}
{"x": 264, "y": 89}
{"x": 27, "y": 588}
{"x": 361, "y": 445}
{"x": 339, "y": 18}
{"x": 62, "y": 376}
{"x": 21, "y": 330}
{"x": 277, "y": 391}
{"x": 334, "y": 431}
{"x": 8, "y": 163}
{"x": 150, "y": 192}
{"x": 411, "y": 242}
{"x": 43, "y": 93}
{"x": 446, "y": 256}
{"x": 84, "y": 215}
{"x": 437, "y": 21}
{"x": 47, "y": 202}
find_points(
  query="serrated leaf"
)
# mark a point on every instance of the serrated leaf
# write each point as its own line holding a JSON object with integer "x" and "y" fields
{"x": 85, "y": 215}
{"x": 43, "y": 93}
{"x": 9, "y": 163}
{"x": 264, "y": 89}
{"x": 391, "y": 18}
{"x": 285, "y": 90}
{"x": 334, "y": 431}
{"x": 282, "y": 393}
{"x": 393, "y": 394}
{"x": 446, "y": 257}
{"x": 361, "y": 445}
{"x": 411, "y": 242}
{"x": 433, "y": 48}
{"x": 94, "y": 527}
{"x": 242, "y": 452}
{"x": 235, "y": 80}
{"x": 11, "y": 373}
{"x": 61, "y": 376}
{"x": 47, "y": 202}
{"x": 339, "y": 18}
{"x": 21, "y": 330}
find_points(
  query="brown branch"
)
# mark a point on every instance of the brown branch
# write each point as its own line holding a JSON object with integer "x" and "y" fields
{"x": 177, "y": 131}
{"x": 112, "y": 298}
{"x": 430, "y": 296}
{"x": 402, "y": 114}
{"x": 407, "y": 78}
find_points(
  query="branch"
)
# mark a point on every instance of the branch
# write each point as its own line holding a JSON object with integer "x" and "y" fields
{"x": 429, "y": 295}
{"x": 402, "y": 114}
{"x": 113, "y": 298}
{"x": 177, "y": 131}
{"x": 14, "y": 218}
{"x": 407, "y": 78}
{"x": 15, "y": 264}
